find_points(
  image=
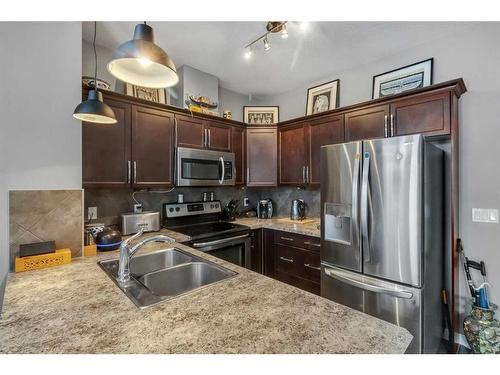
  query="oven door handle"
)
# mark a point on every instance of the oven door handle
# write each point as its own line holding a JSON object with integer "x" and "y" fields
{"x": 218, "y": 242}
{"x": 221, "y": 161}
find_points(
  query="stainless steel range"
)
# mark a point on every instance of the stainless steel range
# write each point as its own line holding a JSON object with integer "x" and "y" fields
{"x": 202, "y": 222}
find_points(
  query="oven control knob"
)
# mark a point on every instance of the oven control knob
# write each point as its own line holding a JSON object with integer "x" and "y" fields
{"x": 177, "y": 209}
{"x": 170, "y": 209}
{"x": 211, "y": 206}
{"x": 217, "y": 205}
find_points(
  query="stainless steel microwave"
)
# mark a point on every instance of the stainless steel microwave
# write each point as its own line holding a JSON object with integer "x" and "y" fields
{"x": 204, "y": 168}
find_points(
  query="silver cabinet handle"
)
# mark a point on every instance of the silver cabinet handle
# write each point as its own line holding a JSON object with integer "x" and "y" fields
{"x": 385, "y": 127}
{"x": 312, "y": 267}
{"x": 312, "y": 244}
{"x": 392, "y": 125}
{"x": 209, "y": 133}
{"x": 204, "y": 137}
{"x": 341, "y": 276}
{"x": 248, "y": 175}
{"x": 286, "y": 238}
{"x": 129, "y": 172}
{"x": 135, "y": 171}
{"x": 307, "y": 174}
{"x": 287, "y": 259}
{"x": 303, "y": 174}
{"x": 364, "y": 207}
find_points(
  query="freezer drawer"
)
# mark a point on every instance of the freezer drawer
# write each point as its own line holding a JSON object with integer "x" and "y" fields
{"x": 400, "y": 305}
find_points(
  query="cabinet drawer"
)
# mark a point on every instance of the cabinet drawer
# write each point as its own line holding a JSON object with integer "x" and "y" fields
{"x": 311, "y": 266}
{"x": 307, "y": 285}
{"x": 289, "y": 259}
{"x": 297, "y": 240}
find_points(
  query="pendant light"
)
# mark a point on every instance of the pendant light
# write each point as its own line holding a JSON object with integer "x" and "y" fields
{"x": 142, "y": 63}
{"x": 94, "y": 109}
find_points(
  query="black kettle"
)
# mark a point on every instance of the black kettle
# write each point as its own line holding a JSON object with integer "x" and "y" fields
{"x": 298, "y": 210}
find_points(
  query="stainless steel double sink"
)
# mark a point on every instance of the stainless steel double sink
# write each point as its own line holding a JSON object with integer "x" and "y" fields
{"x": 165, "y": 274}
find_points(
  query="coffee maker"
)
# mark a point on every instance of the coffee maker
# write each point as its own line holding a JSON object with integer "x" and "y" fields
{"x": 265, "y": 209}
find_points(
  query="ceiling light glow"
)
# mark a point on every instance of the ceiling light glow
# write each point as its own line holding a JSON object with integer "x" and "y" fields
{"x": 267, "y": 46}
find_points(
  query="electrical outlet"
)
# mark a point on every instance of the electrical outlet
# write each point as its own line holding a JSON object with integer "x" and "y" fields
{"x": 92, "y": 213}
{"x": 245, "y": 202}
{"x": 484, "y": 215}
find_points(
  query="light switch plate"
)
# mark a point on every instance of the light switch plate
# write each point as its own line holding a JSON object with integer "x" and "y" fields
{"x": 92, "y": 213}
{"x": 485, "y": 215}
{"x": 245, "y": 202}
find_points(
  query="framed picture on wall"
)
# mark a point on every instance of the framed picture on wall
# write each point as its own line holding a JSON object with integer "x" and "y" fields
{"x": 323, "y": 97}
{"x": 146, "y": 93}
{"x": 399, "y": 80}
{"x": 263, "y": 115}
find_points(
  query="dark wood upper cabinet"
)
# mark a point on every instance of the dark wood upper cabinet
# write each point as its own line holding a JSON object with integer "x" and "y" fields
{"x": 323, "y": 131}
{"x": 367, "y": 123}
{"x": 292, "y": 155}
{"x": 152, "y": 147}
{"x": 238, "y": 147}
{"x": 106, "y": 150}
{"x": 262, "y": 155}
{"x": 218, "y": 136}
{"x": 429, "y": 114}
{"x": 190, "y": 132}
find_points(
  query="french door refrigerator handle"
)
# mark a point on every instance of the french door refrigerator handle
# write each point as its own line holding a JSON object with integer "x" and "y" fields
{"x": 368, "y": 286}
{"x": 221, "y": 161}
{"x": 355, "y": 197}
{"x": 364, "y": 207}
{"x": 129, "y": 172}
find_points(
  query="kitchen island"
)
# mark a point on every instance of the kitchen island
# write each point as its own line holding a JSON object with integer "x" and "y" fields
{"x": 76, "y": 308}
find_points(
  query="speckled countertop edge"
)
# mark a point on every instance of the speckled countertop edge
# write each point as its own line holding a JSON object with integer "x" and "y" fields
{"x": 77, "y": 309}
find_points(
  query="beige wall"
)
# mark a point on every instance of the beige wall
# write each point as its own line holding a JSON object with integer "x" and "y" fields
{"x": 40, "y": 141}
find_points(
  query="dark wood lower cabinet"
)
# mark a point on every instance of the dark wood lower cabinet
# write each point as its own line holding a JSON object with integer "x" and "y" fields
{"x": 292, "y": 258}
{"x": 256, "y": 256}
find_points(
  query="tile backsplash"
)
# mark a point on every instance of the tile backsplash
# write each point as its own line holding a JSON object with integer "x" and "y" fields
{"x": 111, "y": 203}
{"x": 45, "y": 215}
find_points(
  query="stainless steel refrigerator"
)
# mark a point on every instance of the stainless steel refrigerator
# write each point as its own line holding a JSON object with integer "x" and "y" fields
{"x": 382, "y": 232}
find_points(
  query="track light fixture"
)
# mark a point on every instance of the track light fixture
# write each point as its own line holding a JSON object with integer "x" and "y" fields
{"x": 272, "y": 27}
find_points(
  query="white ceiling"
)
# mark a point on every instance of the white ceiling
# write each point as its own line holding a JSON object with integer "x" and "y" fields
{"x": 305, "y": 57}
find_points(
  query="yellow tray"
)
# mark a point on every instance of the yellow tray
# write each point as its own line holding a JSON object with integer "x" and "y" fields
{"x": 290, "y": 221}
{"x": 37, "y": 262}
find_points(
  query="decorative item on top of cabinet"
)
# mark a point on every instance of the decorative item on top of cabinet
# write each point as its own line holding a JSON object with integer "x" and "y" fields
{"x": 324, "y": 97}
{"x": 263, "y": 115}
{"x": 262, "y": 156}
{"x": 403, "y": 79}
{"x": 147, "y": 93}
{"x": 152, "y": 147}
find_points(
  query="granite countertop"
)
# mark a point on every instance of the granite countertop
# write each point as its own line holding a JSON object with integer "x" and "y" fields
{"x": 308, "y": 228}
{"x": 76, "y": 308}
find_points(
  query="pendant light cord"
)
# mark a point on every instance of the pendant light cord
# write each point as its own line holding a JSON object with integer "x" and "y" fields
{"x": 95, "y": 55}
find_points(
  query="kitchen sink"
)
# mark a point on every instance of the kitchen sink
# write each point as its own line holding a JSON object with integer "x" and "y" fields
{"x": 165, "y": 274}
{"x": 183, "y": 278}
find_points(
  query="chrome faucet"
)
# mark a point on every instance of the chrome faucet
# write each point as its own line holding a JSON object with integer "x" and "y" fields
{"x": 126, "y": 253}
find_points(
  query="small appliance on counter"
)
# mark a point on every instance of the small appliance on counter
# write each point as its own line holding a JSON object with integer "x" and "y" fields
{"x": 298, "y": 210}
{"x": 108, "y": 239}
{"x": 265, "y": 209}
{"x": 133, "y": 222}
{"x": 230, "y": 211}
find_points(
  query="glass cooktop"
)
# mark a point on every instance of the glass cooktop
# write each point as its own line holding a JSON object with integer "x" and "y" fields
{"x": 208, "y": 229}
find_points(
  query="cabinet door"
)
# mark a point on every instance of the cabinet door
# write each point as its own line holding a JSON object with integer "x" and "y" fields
{"x": 219, "y": 136}
{"x": 106, "y": 150}
{"x": 238, "y": 147}
{"x": 256, "y": 256}
{"x": 421, "y": 114}
{"x": 152, "y": 147}
{"x": 262, "y": 155}
{"x": 292, "y": 155}
{"x": 322, "y": 132}
{"x": 268, "y": 252}
{"x": 190, "y": 132}
{"x": 367, "y": 123}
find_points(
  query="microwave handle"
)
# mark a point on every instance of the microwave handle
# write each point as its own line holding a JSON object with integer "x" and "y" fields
{"x": 221, "y": 161}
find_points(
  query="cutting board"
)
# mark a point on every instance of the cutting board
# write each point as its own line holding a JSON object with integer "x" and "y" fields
{"x": 290, "y": 221}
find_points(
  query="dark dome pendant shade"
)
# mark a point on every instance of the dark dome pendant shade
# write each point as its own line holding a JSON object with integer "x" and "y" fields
{"x": 94, "y": 109}
{"x": 141, "y": 62}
